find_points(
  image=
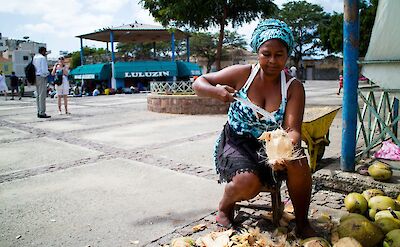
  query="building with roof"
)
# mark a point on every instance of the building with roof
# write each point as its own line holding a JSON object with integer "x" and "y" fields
{"x": 6, "y": 66}
{"x": 19, "y": 52}
{"x": 124, "y": 74}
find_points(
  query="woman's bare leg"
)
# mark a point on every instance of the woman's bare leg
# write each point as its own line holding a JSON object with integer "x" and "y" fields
{"x": 66, "y": 103}
{"x": 243, "y": 186}
{"x": 299, "y": 184}
{"x": 59, "y": 103}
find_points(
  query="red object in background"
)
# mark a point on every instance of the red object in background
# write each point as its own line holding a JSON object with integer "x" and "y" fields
{"x": 341, "y": 81}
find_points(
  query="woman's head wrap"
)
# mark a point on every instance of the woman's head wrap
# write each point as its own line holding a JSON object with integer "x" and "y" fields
{"x": 272, "y": 29}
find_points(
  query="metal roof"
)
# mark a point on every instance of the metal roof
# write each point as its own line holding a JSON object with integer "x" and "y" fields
{"x": 134, "y": 33}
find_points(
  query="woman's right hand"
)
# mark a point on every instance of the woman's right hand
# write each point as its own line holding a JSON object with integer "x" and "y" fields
{"x": 225, "y": 93}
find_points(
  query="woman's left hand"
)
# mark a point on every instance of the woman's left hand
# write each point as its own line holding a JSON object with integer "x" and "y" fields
{"x": 279, "y": 165}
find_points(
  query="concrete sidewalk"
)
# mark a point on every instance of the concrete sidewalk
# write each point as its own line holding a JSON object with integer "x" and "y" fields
{"x": 114, "y": 174}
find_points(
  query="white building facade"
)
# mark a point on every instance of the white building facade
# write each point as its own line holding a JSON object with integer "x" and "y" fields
{"x": 20, "y": 52}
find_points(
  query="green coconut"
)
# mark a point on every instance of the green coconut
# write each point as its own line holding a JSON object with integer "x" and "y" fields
{"x": 380, "y": 171}
{"x": 315, "y": 242}
{"x": 388, "y": 224}
{"x": 397, "y": 202}
{"x": 347, "y": 242}
{"x": 371, "y": 213}
{"x": 364, "y": 231}
{"x": 351, "y": 216}
{"x": 381, "y": 203}
{"x": 387, "y": 214}
{"x": 392, "y": 239}
{"x": 371, "y": 193}
{"x": 356, "y": 203}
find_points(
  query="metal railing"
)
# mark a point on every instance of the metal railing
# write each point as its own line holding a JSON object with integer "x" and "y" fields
{"x": 377, "y": 122}
{"x": 172, "y": 87}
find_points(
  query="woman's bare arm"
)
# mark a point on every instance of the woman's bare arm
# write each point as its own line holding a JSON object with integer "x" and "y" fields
{"x": 294, "y": 111}
{"x": 222, "y": 84}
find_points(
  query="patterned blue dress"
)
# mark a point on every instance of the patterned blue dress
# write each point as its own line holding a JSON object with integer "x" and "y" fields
{"x": 237, "y": 148}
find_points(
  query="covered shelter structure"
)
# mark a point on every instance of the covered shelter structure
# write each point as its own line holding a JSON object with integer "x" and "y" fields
{"x": 134, "y": 33}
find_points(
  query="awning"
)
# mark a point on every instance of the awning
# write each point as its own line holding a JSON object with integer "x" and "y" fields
{"x": 382, "y": 61}
{"x": 188, "y": 69}
{"x": 100, "y": 71}
{"x": 145, "y": 69}
{"x": 134, "y": 33}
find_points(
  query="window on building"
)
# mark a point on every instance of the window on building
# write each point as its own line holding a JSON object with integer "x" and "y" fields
{"x": 26, "y": 58}
{"x": 5, "y": 67}
{"x": 1, "y": 43}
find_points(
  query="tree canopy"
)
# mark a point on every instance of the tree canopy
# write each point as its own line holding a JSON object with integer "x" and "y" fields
{"x": 202, "y": 14}
{"x": 95, "y": 53}
{"x": 205, "y": 44}
{"x": 332, "y": 29}
{"x": 304, "y": 19}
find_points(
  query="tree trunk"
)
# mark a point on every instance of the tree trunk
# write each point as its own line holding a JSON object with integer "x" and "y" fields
{"x": 220, "y": 39}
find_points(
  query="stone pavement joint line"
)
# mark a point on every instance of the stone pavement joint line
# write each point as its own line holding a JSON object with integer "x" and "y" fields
{"x": 109, "y": 153}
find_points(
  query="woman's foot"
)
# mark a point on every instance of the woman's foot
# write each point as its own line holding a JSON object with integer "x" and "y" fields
{"x": 223, "y": 221}
{"x": 305, "y": 231}
{"x": 59, "y": 112}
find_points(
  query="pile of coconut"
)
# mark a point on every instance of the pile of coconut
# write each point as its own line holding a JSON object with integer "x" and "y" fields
{"x": 374, "y": 219}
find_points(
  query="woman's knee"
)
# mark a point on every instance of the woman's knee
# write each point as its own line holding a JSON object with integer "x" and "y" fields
{"x": 246, "y": 185}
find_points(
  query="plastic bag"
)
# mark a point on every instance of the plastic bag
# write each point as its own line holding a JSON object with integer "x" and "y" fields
{"x": 388, "y": 151}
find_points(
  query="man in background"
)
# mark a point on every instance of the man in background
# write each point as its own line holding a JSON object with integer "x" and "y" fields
{"x": 42, "y": 72}
{"x": 14, "y": 85}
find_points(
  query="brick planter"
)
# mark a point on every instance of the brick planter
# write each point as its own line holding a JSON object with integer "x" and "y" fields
{"x": 185, "y": 104}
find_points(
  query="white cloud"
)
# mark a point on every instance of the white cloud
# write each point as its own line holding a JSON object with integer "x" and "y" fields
{"x": 106, "y": 6}
{"x": 141, "y": 15}
{"x": 57, "y": 23}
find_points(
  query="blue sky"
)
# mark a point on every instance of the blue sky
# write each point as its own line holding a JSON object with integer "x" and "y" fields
{"x": 56, "y": 23}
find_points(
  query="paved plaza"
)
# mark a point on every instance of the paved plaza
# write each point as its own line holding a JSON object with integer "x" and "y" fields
{"x": 113, "y": 173}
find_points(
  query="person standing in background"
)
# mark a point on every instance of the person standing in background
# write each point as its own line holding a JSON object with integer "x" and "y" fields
{"x": 293, "y": 71}
{"x": 340, "y": 83}
{"x": 42, "y": 72}
{"x": 3, "y": 85}
{"x": 62, "y": 90}
{"x": 14, "y": 85}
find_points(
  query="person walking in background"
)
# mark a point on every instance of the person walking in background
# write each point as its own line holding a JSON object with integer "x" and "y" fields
{"x": 14, "y": 85}
{"x": 340, "y": 84}
{"x": 42, "y": 72}
{"x": 3, "y": 84}
{"x": 62, "y": 90}
{"x": 21, "y": 87}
